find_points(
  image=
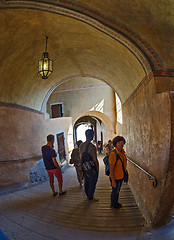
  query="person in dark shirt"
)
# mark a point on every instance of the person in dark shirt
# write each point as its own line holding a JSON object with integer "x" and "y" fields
{"x": 51, "y": 165}
{"x": 75, "y": 159}
{"x": 90, "y": 180}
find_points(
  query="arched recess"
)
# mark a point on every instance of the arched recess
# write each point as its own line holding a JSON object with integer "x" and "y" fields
{"x": 43, "y": 106}
{"x": 86, "y": 122}
{"x": 99, "y": 115}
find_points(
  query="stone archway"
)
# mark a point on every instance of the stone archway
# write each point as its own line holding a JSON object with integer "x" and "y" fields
{"x": 108, "y": 127}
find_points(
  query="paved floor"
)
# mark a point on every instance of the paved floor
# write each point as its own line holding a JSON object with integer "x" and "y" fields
{"x": 33, "y": 213}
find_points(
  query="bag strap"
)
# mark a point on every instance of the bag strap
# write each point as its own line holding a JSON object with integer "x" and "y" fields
{"x": 122, "y": 165}
{"x": 117, "y": 158}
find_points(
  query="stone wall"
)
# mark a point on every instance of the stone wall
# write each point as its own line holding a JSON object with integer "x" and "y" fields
{"x": 166, "y": 208}
{"x": 23, "y": 132}
{"x": 147, "y": 129}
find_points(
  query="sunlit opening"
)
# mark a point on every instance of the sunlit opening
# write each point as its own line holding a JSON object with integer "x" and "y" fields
{"x": 119, "y": 109}
{"x": 81, "y": 132}
{"x": 70, "y": 139}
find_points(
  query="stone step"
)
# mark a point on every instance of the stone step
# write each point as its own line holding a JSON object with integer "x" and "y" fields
{"x": 34, "y": 211}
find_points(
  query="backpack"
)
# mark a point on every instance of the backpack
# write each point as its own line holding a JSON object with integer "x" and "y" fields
{"x": 75, "y": 156}
{"x": 106, "y": 162}
{"x": 107, "y": 170}
{"x": 88, "y": 165}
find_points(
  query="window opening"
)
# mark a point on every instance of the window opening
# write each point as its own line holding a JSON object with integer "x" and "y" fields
{"x": 57, "y": 110}
{"x": 119, "y": 109}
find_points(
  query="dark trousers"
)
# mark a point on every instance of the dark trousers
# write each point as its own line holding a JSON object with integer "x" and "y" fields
{"x": 115, "y": 192}
{"x": 90, "y": 184}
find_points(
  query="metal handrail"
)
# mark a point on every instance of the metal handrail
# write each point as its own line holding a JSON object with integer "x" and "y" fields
{"x": 155, "y": 182}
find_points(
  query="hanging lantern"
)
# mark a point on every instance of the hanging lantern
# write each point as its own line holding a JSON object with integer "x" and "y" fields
{"x": 45, "y": 64}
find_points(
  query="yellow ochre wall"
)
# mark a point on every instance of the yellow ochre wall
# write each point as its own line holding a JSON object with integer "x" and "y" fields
{"x": 23, "y": 132}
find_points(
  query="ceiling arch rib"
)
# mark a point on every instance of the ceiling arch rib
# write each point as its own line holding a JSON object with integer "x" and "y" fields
{"x": 87, "y": 119}
{"x": 145, "y": 54}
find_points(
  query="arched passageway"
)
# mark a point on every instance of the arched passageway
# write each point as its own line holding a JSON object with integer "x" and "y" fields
{"x": 91, "y": 42}
{"x": 99, "y": 122}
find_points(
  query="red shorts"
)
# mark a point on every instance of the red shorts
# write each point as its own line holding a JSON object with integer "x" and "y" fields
{"x": 57, "y": 172}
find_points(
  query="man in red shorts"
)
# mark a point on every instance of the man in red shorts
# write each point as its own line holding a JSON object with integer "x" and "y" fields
{"x": 51, "y": 165}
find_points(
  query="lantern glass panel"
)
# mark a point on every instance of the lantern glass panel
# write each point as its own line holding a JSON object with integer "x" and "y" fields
{"x": 51, "y": 65}
{"x": 45, "y": 64}
{"x": 40, "y": 65}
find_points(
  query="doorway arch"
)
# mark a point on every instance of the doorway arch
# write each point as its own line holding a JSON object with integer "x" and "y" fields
{"x": 107, "y": 127}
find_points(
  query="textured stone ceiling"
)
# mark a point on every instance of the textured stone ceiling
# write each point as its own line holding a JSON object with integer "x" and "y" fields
{"x": 77, "y": 49}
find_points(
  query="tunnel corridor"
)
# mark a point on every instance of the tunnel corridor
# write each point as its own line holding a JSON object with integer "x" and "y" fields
{"x": 113, "y": 63}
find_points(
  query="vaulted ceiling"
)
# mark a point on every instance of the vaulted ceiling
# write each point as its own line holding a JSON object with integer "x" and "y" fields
{"x": 114, "y": 41}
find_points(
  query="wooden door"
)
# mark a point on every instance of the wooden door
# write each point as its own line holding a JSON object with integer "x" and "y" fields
{"x": 61, "y": 147}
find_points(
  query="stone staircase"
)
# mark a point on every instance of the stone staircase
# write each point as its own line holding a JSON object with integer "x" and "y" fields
{"x": 33, "y": 213}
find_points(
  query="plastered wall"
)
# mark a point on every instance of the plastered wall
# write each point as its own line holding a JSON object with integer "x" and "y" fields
{"x": 79, "y": 101}
{"x": 23, "y": 132}
{"x": 147, "y": 129}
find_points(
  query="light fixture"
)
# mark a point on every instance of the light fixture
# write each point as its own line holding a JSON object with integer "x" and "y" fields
{"x": 45, "y": 64}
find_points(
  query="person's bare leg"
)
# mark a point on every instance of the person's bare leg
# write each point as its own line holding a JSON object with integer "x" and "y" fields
{"x": 52, "y": 187}
{"x": 60, "y": 187}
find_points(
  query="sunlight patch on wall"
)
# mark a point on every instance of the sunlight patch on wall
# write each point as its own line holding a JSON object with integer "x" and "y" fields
{"x": 70, "y": 138}
{"x": 98, "y": 107}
